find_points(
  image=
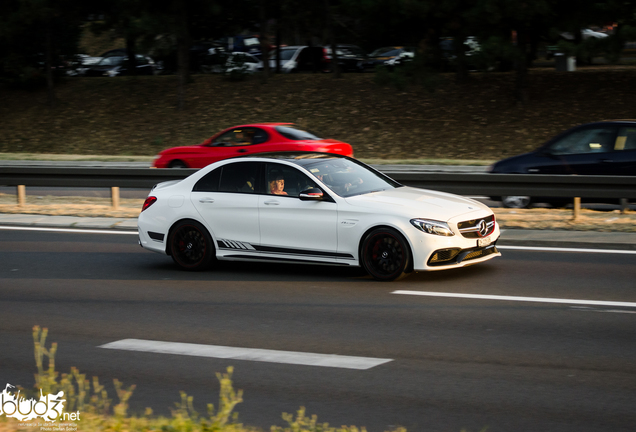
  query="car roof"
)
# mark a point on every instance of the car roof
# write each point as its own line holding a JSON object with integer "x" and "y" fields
{"x": 297, "y": 157}
{"x": 260, "y": 125}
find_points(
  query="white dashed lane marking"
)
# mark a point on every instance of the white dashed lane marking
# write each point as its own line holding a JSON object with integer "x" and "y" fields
{"x": 518, "y": 299}
{"x": 250, "y": 354}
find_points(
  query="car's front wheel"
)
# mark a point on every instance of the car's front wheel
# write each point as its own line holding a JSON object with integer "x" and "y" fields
{"x": 177, "y": 164}
{"x": 385, "y": 254}
{"x": 191, "y": 246}
{"x": 516, "y": 201}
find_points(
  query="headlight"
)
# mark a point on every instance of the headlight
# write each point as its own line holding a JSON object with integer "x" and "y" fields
{"x": 432, "y": 227}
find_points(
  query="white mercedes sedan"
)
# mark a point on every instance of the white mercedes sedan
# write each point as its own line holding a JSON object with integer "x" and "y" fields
{"x": 313, "y": 208}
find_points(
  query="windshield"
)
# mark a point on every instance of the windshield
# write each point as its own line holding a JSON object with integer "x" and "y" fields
{"x": 295, "y": 134}
{"x": 348, "y": 178}
{"x": 285, "y": 54}
{"x": 111, "y": 61}
{"x": 385, "y": 52}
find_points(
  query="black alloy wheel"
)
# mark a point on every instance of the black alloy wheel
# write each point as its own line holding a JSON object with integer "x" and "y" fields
{"x": 191, "y": 246}
{"x": 385, "y": 254}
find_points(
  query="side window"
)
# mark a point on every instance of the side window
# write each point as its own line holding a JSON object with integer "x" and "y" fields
{"x": 585, "y": 141}
{"x": 286, "y": 181}
{"x": 626, "y": 139}
{"x": 239, "y": 177}
{"x": 209, "y": 182}
{"x": 241, "y": 137}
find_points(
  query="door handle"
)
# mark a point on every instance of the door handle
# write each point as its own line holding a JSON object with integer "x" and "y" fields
{"x": 271, "y": 202}
{"x": 206, "y": 200}
{"x": 242, "y": 151}
{"x": 606, "y": 161}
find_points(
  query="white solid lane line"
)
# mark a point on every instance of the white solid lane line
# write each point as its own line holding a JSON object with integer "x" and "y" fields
{"x": 112, "y": 231}
{"x": 517, "y": 299}
{"x": 69, "y": 230}
{"x": 557, "y": 249}
{"x": 251, "y": 354}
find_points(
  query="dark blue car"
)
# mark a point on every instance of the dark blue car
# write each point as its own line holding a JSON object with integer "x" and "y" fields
{"x": 601, "y": 148}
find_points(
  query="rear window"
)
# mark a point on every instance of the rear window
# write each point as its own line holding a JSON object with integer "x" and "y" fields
{"x": 295, "y": 134}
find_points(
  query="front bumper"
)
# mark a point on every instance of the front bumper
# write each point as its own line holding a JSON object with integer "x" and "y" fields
{"x": 434, "y": 253}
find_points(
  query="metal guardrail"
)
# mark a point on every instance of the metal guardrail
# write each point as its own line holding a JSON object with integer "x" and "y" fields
{"x": 523, "y": 184}
{"x": 458, "y": 183}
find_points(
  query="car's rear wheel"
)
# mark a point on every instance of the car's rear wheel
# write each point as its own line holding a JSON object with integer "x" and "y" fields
{"x": 516, "y": 201}
{"x": 177, "y": 164}
{"x": 191, "y": 246}
{"x": 385, "y": 254}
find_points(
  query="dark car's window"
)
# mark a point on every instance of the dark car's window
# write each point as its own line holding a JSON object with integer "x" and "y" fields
{"x": 241, "y": 137}
{"x": 595, "y": 140}
{"x": 111, "y": 61}
{"x": 239, "y": 177}
{"x": 285, "y": 54}
{"x": 385, "y": 52}
{"x": 347, "y": 178}
{"x": 284, "y": 180}
{"x": 626, "y": 139}
{"x": 295, "y": 134}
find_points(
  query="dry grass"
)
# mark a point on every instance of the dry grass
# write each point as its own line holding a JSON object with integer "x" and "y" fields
{"x": 538, "y": 218}
{"x": 478, "y": 120}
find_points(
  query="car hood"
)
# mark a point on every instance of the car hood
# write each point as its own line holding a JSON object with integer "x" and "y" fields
{"x": 423, "y": 203}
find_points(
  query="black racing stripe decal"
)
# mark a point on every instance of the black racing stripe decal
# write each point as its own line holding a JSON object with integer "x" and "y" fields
{"x": 290, "y": 260}
{"x": 235, "y": 245}
{"x": 304, "y": 252}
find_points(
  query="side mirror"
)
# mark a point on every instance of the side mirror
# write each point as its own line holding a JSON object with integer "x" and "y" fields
{"x": 313, "y": 194}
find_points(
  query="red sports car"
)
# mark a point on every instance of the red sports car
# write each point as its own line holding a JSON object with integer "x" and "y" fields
{"x": 245, "y": 140}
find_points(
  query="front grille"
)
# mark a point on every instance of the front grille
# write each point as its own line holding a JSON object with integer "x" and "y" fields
{"x": 457, "y": 256}
{"x": 470, "y": 228}
{"x": 480, "y": 253}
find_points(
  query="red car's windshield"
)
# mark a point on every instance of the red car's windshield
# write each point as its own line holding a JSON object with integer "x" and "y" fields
{"x": 295, "y": 134}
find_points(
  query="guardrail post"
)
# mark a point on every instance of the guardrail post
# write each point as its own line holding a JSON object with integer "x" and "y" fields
{"x": 577, "y": 208}
{"x": 114, "y": 197}
{"x": 624, "y": 205}
{"x": 21, "y": 195}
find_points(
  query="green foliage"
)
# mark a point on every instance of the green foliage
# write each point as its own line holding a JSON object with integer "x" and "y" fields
{"x": 96, "y": 414}
{"x": 302, "y": 423}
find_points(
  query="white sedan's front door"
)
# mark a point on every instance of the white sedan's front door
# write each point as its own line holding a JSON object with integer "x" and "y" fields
{"x": 294, "y": 229}
{"x": 298, "y": 229}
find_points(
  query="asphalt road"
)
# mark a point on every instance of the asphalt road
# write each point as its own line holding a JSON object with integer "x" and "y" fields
{"x": 455, "y": 363}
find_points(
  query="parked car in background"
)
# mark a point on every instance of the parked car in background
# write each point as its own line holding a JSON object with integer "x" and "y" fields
{"x": 246, "y": 140}
{"x": 117, "y": 65}
{"x": 601, "y": 148}
{"x": 241, "y": 43}
{"x": 242, "y": 63}
{"x": 350, "y": 57}
{"x": 388, "y": 56}
{"x": 313, "y": 208}
{"x": 301, "y": 59}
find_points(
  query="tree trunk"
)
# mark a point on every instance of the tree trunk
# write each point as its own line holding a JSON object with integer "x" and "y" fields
{"x": 460, "y": 56}
{"x": 332, "y": 38}
{"x": 521, "y": 67}
{"x": 264, "y": 42}
{"x": 183, "y": 54}
{"x": 48, "y": 64}
{"x": 132, "y": 54}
